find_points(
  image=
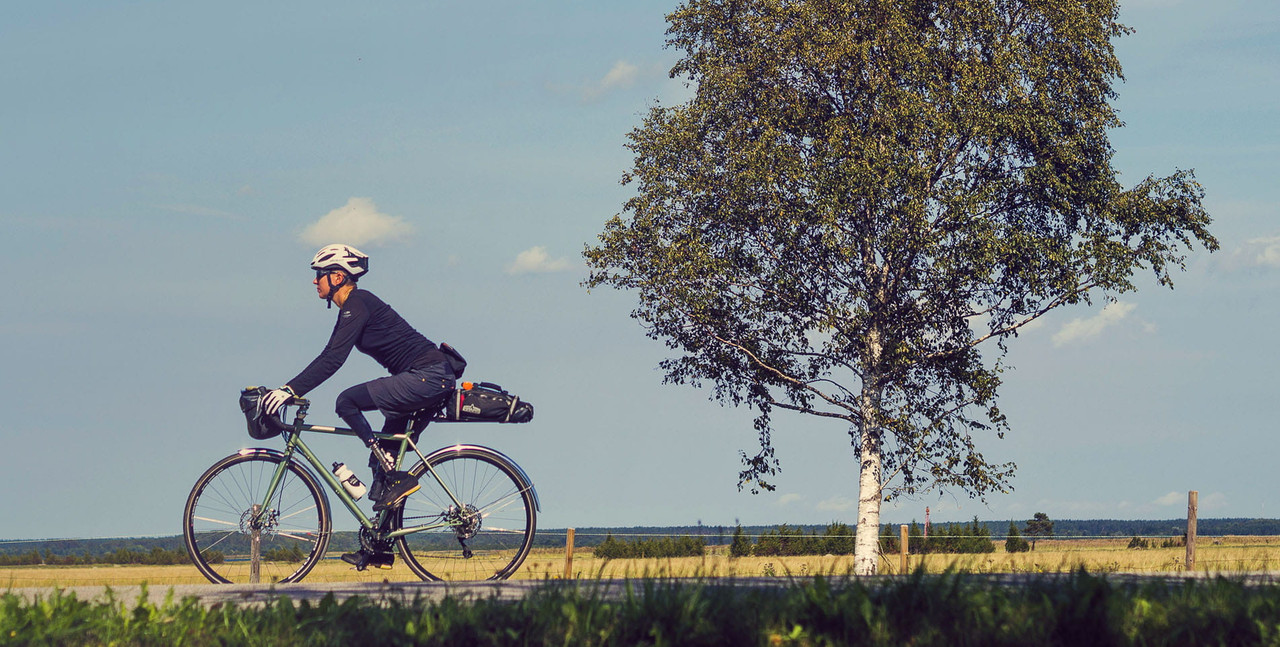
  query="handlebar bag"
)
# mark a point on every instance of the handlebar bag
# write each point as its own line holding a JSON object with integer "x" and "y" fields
{"x": 260, "y": 424}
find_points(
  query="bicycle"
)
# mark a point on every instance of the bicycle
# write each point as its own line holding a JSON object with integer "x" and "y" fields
{"x": 261, "y": 515}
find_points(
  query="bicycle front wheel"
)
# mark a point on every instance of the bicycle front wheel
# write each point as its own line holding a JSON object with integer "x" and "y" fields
{"x": 478, "y": 514}
{"x": 234, "y": 539}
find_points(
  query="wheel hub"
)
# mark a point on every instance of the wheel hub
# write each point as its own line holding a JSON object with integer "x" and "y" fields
{"x": 466, "y": 521}
{"x": 265, "y": 524}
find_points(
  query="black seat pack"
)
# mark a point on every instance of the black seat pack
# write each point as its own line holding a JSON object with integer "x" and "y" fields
{"x": 487, "y": 401}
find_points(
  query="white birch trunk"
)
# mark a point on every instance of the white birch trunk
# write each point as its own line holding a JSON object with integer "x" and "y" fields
{"x": 866, "y": 546}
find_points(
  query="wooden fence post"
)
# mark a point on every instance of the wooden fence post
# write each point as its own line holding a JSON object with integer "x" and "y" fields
{"x": 1193, "y": 502}
{"x": 903, "y": 548}
{"x": 568, "y": 554}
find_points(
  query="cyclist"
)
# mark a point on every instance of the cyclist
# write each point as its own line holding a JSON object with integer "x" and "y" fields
{"x": 421, "y": 374}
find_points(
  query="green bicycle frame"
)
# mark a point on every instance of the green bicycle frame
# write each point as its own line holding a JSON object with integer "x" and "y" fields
{"x": 296, "y": 444}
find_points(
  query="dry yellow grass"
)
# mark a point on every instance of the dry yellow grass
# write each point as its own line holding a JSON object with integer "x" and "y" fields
{"x": 1222, "y": 554}
{"x": 1219, "y": 554}
{"x": 1216, "y": 554}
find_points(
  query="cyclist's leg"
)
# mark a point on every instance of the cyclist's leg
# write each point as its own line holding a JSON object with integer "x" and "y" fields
{"x": 395, "y": 423}
{"x": 417, "y": 388}
{"x": 352, "y": 403}
{"x": 392, "y": 425}
{"x": 398, "y": 396}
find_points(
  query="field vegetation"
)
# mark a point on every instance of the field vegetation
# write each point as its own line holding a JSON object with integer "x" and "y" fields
{"x": 1104, "y": 555}
{"x": 1074, "y": 609}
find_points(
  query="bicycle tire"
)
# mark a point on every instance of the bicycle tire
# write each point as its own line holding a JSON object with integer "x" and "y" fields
{"x": 218, "y": 533}
{"x": 489, "y": 538}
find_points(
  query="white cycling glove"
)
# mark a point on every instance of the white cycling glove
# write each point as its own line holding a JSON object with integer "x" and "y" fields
{"x": 276, "y": 398}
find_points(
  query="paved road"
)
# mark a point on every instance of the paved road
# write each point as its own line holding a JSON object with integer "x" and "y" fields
{"x": 406, "y": 592}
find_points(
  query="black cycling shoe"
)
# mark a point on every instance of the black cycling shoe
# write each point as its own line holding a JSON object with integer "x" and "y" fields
{"x": 398, "y": 485}
{"x": 362, "y": 559}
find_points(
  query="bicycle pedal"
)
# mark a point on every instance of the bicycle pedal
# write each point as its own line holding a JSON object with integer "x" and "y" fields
{"x": 356, "y": 560}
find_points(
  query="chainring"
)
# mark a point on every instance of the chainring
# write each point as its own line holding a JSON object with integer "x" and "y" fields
{"x": 372, "y": 543}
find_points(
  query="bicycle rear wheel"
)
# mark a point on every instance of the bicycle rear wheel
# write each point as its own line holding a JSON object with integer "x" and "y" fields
{"x": 488, "y": 523}
{"x": 220, "y": 530}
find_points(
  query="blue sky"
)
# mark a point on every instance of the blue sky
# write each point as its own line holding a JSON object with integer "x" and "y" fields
{"x": 168, "y": 169}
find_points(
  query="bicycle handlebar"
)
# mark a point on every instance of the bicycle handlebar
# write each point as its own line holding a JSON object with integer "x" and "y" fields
{"x": 302, "y": 403}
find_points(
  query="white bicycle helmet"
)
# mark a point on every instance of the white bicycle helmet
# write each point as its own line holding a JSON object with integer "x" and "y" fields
{"x": 341, "y": 257}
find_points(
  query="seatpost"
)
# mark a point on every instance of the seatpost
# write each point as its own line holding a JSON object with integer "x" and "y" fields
{"x": 388, "y": 463}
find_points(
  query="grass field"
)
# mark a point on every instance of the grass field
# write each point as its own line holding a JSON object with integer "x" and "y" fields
{"x": 1220, "y": 555}
{"x": 919, "y": 610}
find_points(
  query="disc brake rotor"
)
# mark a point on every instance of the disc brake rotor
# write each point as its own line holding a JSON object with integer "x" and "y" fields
{"x": 466, "y": 522}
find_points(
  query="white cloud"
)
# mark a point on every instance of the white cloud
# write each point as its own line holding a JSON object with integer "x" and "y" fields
{"x": 535, "y": 260}
{"x": 1256, "y": 252}
{"x": 788, "y": 499}
{"x": 621, "y": 75}
{"x": 1080, "y": 329}
{"x": 356, "y": 223}
{"x": 837, "y": 504}
{"x": 1208, "y": 501}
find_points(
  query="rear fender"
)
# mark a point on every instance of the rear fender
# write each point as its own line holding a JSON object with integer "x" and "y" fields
{"x": 458, "y": 449}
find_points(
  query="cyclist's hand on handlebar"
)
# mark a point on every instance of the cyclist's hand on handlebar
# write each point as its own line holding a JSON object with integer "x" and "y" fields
{"x": 274, "y": 399}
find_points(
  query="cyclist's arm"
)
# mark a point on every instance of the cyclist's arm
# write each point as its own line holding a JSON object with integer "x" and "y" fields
{"x": 351, "y": 322}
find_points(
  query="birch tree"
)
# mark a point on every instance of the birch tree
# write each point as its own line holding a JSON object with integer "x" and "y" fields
{"x": 862, "y": 204}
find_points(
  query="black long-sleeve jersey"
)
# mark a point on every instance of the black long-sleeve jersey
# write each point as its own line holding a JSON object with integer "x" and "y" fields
{"x": 370, "y": 325}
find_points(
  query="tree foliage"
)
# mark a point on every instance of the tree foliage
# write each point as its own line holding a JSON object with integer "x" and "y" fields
{"x": 639, "y": 548}
{"x": 157, "y": 556}
{"x": 1038, "y": 526}
{"x": 973, "y": 537}
{"x": 741, "y": 545}
{"x": 1013, "y": 541}
{"x": 861, "y": 194}
{"x": 783, "y": 540}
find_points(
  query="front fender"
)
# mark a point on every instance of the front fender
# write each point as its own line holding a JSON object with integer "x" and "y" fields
{"x": 275, "y": 453}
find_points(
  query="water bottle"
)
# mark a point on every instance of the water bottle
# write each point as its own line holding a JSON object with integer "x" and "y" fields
{"x": 350, "y": 482}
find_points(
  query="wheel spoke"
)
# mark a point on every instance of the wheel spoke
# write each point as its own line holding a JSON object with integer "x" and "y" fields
{"x": 225, "y": 523}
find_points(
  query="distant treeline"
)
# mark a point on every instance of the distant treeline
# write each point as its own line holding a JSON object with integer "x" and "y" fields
{"x": 835, "y": 539}
{"x": 974, "y": 537}
{"x": 157, "y": 556}
{"x": 685, "y": 546}
{"x": 785, "y": 540}
{"x": 711, "y": 535}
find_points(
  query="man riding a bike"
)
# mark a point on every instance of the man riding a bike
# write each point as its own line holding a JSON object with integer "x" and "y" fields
{"x": 421, "y": 375}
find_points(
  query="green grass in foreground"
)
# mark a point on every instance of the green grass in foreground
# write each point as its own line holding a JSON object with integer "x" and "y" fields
{"x": 1078, "y": 609}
